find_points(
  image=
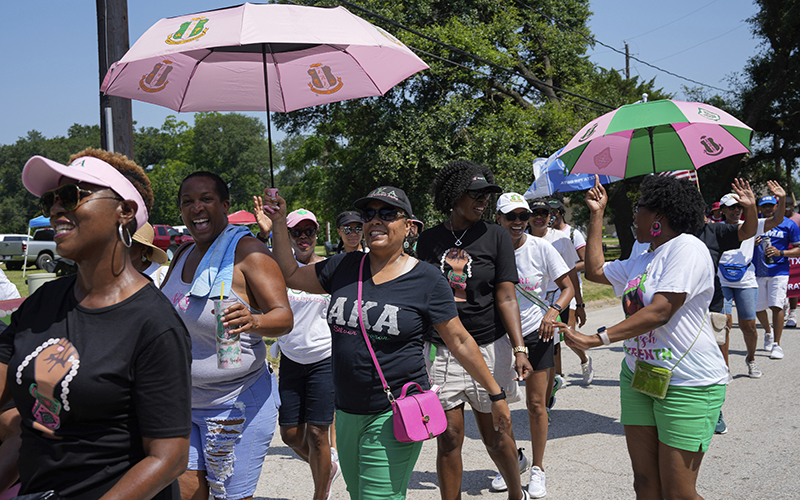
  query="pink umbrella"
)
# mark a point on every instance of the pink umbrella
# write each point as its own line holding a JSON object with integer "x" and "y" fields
{"x": 260, "y": 57}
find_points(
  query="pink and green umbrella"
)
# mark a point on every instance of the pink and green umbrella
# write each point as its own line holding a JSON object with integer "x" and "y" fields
{"x": 657, "y": 136}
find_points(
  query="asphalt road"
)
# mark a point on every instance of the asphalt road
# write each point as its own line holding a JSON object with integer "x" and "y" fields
{"x": 586, "y": 455}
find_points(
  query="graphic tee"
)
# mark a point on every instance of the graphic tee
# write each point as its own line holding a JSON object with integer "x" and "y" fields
{"x": 742, "y": 256}
{"x": 538, "y": 264}
{"x": 91, "y": 383}
{"x": 681, "y": 265}
{"x": 784, "y": 234}
{"x": 473, "y": 270}
{"x": 396, "y": 314}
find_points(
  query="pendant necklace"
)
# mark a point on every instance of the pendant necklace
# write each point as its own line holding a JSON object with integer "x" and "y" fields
{"x": 458, "y": 240}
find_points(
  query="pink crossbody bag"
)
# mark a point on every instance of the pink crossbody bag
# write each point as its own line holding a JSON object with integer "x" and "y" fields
{"x": 415, "y": 417}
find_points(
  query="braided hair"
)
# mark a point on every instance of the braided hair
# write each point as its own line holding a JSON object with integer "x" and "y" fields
{"x": 453, "y": 180}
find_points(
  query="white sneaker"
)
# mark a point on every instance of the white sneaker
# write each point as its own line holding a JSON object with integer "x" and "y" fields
{"x": 769, "y": 340}
{"x": 336, "y": 471}
{"x": 777, "y": 352}
{"x": 752, "y": 369}
{"x": 536, "y": 487}
{"x": 588, "y": 371}
{"x": 791, "y": 319}
{"x": 499, "y": 484}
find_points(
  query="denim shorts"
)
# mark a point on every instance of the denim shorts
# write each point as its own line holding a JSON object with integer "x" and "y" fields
{"x": 306, "y": 393}
{"x": 230, "y": 440}
{"x": 745, "y": 301}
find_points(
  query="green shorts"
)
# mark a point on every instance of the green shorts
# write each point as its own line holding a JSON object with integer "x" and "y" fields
{"x": 685, "y": 418}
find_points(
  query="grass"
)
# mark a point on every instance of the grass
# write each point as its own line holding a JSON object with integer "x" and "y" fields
{"x": 20, "y": 282}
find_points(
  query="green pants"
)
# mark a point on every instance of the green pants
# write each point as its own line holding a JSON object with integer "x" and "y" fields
{"x": 374, "y": 463}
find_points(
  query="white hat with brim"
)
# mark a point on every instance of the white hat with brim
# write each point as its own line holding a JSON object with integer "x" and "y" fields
{"x": 511, "y": 201}
{"x": 41, "y": 174}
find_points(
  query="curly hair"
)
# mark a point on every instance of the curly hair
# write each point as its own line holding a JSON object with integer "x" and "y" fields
{"x": 678, "y": 200}
{"x": 219, "y": 184}
{"x": 133, "y": 172}
{"x": 453, "y": 180}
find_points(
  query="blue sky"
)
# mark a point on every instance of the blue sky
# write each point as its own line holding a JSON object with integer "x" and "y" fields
{"x": 52, "y": 80}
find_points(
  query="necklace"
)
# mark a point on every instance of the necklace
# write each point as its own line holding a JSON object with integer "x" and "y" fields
{"x": 458, "y": 239}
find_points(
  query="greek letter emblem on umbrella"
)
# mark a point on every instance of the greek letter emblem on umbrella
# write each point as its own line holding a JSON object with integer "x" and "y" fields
{"x": 323, "y": 81}
{"x": 156, "y": 80}
{"x": 198, "y": 30}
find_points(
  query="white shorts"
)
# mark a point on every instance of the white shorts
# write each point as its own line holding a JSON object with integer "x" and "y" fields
{"x": 771, "y": 291}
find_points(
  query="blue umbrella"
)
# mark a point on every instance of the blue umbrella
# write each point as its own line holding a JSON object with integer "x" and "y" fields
{"x": 550, "y": 178}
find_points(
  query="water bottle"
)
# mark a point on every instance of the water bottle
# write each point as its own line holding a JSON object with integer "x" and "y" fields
{"x": 765, "y": 243}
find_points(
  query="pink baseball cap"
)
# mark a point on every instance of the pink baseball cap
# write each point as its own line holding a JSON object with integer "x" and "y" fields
{"x": 41, "y": 174}
{"x": 299, "y": 216}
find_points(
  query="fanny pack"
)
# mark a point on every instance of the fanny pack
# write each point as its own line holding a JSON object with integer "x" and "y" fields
{"x": 733, "y": 272}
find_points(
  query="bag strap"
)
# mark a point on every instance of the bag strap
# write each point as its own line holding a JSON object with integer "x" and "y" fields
{"x": 174, "y": 260}
{"x": 532, "y": 297}
{"x": 386, "y": 389}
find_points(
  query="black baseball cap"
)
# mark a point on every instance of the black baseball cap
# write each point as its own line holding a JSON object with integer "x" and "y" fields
{"x": 394, "y": 196}
{"x": 479, "y": 182}
{"x": 347, "y": 217}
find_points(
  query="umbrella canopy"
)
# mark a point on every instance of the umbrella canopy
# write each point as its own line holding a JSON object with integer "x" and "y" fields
{"x": 242, "y": 217}
{"x": 217, "y": 60}
{"x": 656, "y": 136}
{"x": 551, "y": 177}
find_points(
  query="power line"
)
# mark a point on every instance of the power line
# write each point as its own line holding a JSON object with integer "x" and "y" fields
{"x": 595, "y": 40}
{"x": 672, "y": 22}
{"x": 701, "y": 43}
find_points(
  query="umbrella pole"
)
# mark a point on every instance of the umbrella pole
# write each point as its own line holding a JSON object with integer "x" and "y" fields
{"x": 269, "y": 125}
{"x": 652, "y": 149}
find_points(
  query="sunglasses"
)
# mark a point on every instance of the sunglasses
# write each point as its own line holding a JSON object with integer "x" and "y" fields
{"x": 69, "y": 196}
{"x": 523, "y": 216}
{"x": 733, "y": 207}
{"x": 540, "y": 213}
{"x": 309, "y": 231}
{"x": 386, "y": 214}
{"x": 351, "y": 230}
{"x": 478, "y": 193}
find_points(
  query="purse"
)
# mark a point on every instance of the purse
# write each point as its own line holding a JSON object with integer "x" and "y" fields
{"x": 415, "y": 417}
{"x": 654, "y": 380}
{"x": 733, "y": 272}
{"x": 719, "y": 325}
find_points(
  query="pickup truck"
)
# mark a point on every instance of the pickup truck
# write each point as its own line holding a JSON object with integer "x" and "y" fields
{"x": 41, "y": 249}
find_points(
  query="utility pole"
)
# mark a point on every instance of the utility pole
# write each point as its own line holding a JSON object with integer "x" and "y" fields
{"x": 627, "y": 62}
{"x": 116, "y": 117}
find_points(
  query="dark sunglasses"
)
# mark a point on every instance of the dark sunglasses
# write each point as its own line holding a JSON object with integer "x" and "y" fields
{"x": 386, "y": 214}
{"x": 540, "y": 213}
{"x": 309, "y": 231}
{"x": 478, "y": 193}
{"x": 733, "y": 207}
{"x": 69, "y": 196}
{"x": 523, "y": 216}
{"x": 351, "y": 230}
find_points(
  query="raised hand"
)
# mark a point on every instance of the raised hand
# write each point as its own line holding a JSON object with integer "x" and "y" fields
{"x": 776, "y": 189}
{"x": 596, "y": 197}
{"x": 264, "y": 222}
{"x": 742, "y": 189}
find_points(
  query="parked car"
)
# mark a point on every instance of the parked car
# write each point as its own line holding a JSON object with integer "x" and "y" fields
{"x": 41, "y": 249}
{"x": 168, "y": 238}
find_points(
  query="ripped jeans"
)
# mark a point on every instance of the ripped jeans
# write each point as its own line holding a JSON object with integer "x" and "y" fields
{"x": 229, "y": 441}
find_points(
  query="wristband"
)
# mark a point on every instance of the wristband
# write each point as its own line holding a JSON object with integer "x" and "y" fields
{"x": 781, "y": 253}
{"x": 580, "y": 306}
{"x": 262, "y": 239}
{"x": 556, "y": 307}
{"x": 497, "y": 397}
{"x": 601, "y": 332}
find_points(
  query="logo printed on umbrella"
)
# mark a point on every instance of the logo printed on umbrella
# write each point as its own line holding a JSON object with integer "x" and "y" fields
{"x": 708, "y": 115}
{"x": 156, "y": 80}
{"x": 198, "y": 29}
{"x": 389, "y": 36}
{"x": 588, "y": 133}
{"x": 710, "y": 147}
{"x": 323, "y": 81}
{"x": 603, "y": 158}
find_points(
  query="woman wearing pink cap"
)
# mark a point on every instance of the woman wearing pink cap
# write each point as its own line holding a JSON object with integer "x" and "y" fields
{"x": 97, "y": 363}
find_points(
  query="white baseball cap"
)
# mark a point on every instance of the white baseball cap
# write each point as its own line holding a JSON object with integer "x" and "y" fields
{"x": 511, "y": 201}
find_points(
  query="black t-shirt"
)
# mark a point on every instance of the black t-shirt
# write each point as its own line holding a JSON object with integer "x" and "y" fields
{"x": 719, "y": 238}
{"x": 485, "y": 258}
{"x": 396, "y": 314}
{"x": 100, "y": 380}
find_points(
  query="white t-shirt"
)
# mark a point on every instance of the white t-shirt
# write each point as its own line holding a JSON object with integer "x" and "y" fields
{"x": 310, "y": 339}
{"x": 742, "y": 256}
{"x": 565, "y": 248}
{"x": 578, "y": 241}
{"x": 156, "y": 272}
{"x": 681, "y": 265}
{"x": 8, "y": 290}
{"x": 538, "y": 264}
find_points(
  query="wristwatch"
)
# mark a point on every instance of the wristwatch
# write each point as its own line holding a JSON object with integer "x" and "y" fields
{"x": 580, "y": 306}
{"x": 498, "y": 397}
{"x": 261, "y": 238}
{"x": 520, "y": 348}
{"x": 601, "y": 332}
{"x": 781, "y": 253}
{"x": 556, "y": 307}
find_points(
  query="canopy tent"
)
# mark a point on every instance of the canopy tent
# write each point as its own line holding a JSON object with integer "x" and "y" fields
{"x": 242, "y": 217}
